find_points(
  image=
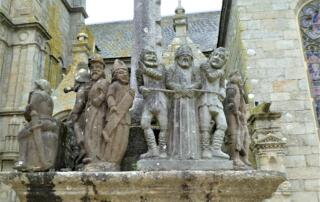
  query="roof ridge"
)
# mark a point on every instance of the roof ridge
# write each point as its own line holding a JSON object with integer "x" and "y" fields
{"x": 166, "y": 17}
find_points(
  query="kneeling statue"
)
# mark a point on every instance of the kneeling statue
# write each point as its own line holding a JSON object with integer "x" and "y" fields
{"x": 38, "y": 140}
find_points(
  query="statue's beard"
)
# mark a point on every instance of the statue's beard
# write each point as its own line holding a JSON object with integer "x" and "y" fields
{"x": 184, "y": 63}
{"x": 151, "y": 63}
{"x": 95, "y": 76}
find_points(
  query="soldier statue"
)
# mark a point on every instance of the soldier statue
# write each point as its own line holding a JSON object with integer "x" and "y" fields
{"x": 211, "y": 114}
{"x": 38, "y": 140}
{"x": 150, "y": 78}
{"x": 238, "y": 139}
{"x": 81, "y": 88}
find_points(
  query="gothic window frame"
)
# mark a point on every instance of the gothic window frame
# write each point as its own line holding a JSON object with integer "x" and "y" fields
{"x": 309, "y": 25}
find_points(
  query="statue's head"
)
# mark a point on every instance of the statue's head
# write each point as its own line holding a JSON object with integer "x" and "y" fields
{"x": 184, "y": 57}
{"x": 235, "y": 77}
{"x": 120, "y": 72}
{"x": 43, "y": 85}
{"x": 82, "y": 76}
{"x": 149, "y": 58}
{"x": 218, "y": 58}
{"x": 96, "y": 66}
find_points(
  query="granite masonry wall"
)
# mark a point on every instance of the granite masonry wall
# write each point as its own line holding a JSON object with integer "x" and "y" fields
{"x": 265, "y": 43}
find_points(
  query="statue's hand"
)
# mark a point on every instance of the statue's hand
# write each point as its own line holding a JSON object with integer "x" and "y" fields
{"x": 145, "y": 91}
{"x": 114, "y": 109}
{"x": 204, "y": 67}
{"x": 105, "y": 136}
{"x": 132, "y": 92}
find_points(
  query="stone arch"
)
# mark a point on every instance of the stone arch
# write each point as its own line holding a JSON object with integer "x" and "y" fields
{"x": 308, "y": 16}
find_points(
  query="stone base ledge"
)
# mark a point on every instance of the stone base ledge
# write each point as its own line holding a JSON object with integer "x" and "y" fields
{"x": 165, "y": 164}
{"x": 144, "y": 186}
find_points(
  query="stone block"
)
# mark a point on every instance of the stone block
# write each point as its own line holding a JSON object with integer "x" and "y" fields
{"x": 304, "y": 173}
{"x": 294, "y": 128}
{"x": 286, "y": 44}
{"x": 295, "y": 161}
{"x": 166, "y": 165}
{"x": 289, "y": 105}
{"x": 280, "y": 5}
{"x": 312, "y": 185}
{"x": 304, "y": 196}
{"x": 299, "y": 150}
{"x": 280, "y": 96}
{"x": 285, "y": 85}
{"x": 313, "y": 160}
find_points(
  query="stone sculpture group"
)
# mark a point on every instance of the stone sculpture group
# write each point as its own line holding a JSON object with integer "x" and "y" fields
{"x": 188, "y": 104}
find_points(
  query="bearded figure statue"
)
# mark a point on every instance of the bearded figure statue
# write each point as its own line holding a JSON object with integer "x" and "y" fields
{"x": 151, "y": 83}
{"x": 95, "y": 112}
{"x": 183, "y": 80}
{"x": 211, "y": 113}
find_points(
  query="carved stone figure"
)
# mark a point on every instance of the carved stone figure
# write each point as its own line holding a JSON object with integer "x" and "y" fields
{"x": 38, "y": 140}
{"x": 210, "y": 105}
{"x": 116, "y": 132}
{"x": 81, "y": 87}
{"x": 95, "y": 113}
{"x": 237, "y": 133}
{"x": 151, "y": 83}
{"x": 184, "y": 80}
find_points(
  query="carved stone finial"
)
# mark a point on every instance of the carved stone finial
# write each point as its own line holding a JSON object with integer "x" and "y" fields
{"x": 180, "y": 21}
{"x": 83, "y": 37}
{"x": 267, "y": 140}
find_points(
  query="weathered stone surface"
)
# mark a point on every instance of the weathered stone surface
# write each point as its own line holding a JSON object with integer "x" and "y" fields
{"x": 169, "y": 186}
{"x": 275, "y": 71}
{"x": 164, "y": 164}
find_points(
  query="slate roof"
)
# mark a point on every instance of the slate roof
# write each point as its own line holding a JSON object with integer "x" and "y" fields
{"x": 115, "y": 39}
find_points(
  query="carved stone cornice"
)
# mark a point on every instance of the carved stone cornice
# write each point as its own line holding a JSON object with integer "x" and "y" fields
{"x": 72, "y": 9}
{"x": 137, "y": 185}
{"x": 36, "y": 25}
{"x": 11, "y": 113}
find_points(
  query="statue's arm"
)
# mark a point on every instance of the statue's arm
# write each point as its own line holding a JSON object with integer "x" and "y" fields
{"x": 111, "y": 101}
{"x": 196, "y": 81}
{"x": 213, "y": 75}
{"x": 153, "y": 73}
{"x": 102, "y": 92}
{"x": 79, "y": 105}
{"x": 139, "y": 76}
{"x": 170, "y": 83}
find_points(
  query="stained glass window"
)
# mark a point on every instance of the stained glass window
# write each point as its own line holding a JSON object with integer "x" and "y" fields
{"x": 310, "y": 27}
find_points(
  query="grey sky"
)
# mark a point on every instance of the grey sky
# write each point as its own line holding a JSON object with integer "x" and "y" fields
{"x": 117, "y": 10}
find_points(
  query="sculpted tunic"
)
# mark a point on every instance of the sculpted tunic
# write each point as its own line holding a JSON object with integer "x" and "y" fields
{"x": 184, "y": 140}
{"x": 95, "y": 120}
{"x": 38, "y": 141}
{"x": 118, "y": 123}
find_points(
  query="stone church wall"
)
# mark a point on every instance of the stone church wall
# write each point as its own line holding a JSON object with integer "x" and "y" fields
{"x": 266, "y": 33}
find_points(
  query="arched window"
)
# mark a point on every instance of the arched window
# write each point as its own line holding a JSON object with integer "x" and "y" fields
{"x": 309, "y": 19}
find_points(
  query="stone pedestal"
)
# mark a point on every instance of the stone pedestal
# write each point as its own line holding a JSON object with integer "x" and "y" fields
{"x": 201, "y": 164}
{"x": 169, "y": 186}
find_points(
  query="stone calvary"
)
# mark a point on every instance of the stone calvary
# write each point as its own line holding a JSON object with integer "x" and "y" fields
{"x": 186, "y": 102}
